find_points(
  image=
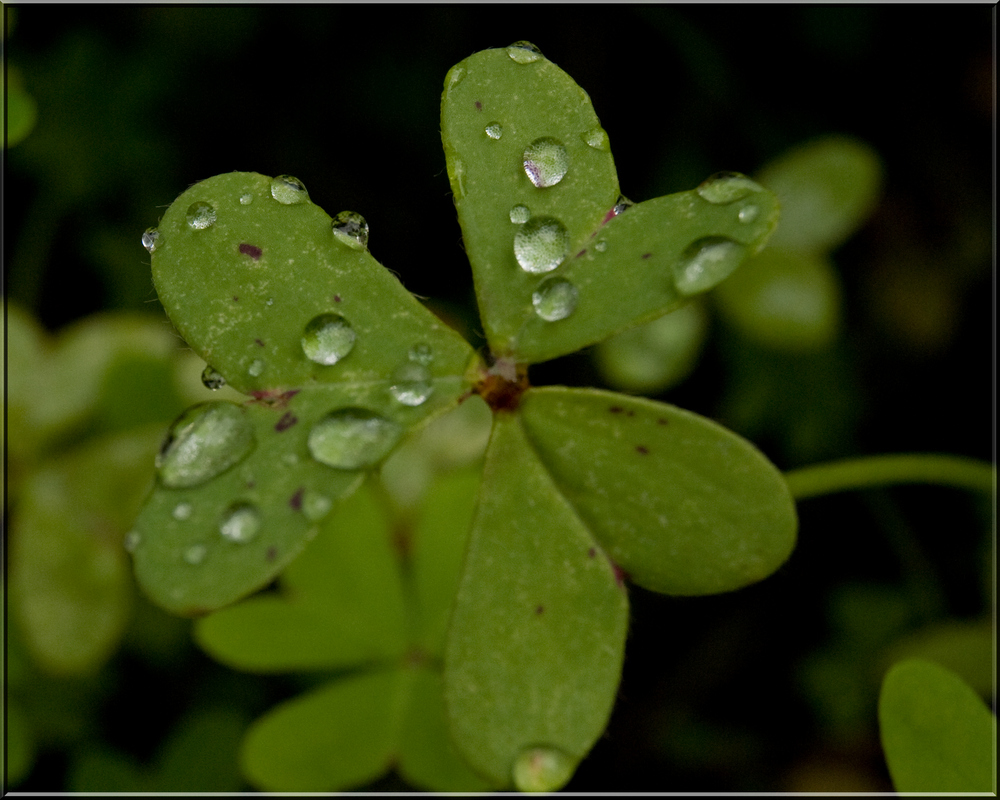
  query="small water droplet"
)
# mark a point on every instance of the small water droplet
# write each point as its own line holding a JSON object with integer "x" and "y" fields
{"x": 541, "y": 244}
{"x": 315, "y": 506}
{"x": 212, "y": 379}
{"x": 195, "y": 554}
{"x": 454, "y": 77}
{"x": 246, "y": 199}
{"x": 150, "y": 239}
{"x": 240, "y": 523}
{"x": 706, "y": 262}
{"x": 203, "y": 442}
{"x": 411, "y": 384}
{"x": 545, "y": 162}
{"x": 256, "y": 367}
{"x": 601, "y": 246}
{"x": 520, "y": 214}
{"x": 182, "y": 511}
{"x": 542, "y": 769}
{"x": 132, "y": 540}
{"x": 350, "y": 228}
{"x": 288, "y": 190}
{"x": 723, "y": 188}
{"x": 524, "y": 52}
{"x": 748, "y": 214}
{"x": 327, "y": 339}
{"x": 555, "y": 299}
{"x": 270, "y": 301}
{"x": 200, "y": 216}
{"x": 421, "y": 353}
{"x": 622, "y": 204}
{"x": 598, "y": 139}
{"x": 353, "y": 438}
{"x": 494, "y": 130}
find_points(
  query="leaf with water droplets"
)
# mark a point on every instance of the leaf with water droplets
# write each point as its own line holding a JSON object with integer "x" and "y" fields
{"x": 535, "y": 648}
{"x": 535, "y": 200}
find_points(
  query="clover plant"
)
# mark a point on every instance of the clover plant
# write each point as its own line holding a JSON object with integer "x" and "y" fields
{"x": 580, "y": 492}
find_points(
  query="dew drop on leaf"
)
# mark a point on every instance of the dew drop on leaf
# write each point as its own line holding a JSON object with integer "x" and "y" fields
{"x": 182, "y": 511}
{"x": 315, "y": 506}
{"x": 748, "y": 214}
{"x": 545, "y": 162}
{"x": 541, "y": 244}
{"x": 240, "y": 523}
{"x": 520, "y": 214}
{"x": 411, "y": 384}
{"x": 705, "y": 263}
{"x": 288, "y": 190}
{"x": 494, "y": 130}
{"x": 524, "y": 52}
{"x": 327, "y": 339}
{"x": 542, "y": 769}
{"x": 350, "y": 228}
{"x": 598, "y": 139}
{"x": 203, "y": 442}
{"x": 353, "y": 438}
{"x": 131, "y": 541}
{"x": 246, "y": 199}
{"x": 723, "y": 188}
{"x": 212, "y": 379}
{"x": 555, "y": 299}
{"x": 421, "y": 353}
{"x": 195, "y": 554}
{"x": 200, "y": 215}
{"x": 150, "y": 239}
{"x": 601, "y": 246}
{"x": 622, "y": 204}
{"x": 256, "y": 367}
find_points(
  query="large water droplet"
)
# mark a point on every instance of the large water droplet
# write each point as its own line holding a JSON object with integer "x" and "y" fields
{"x": 411, "y": 384}
{"x": 240, "y": 523}
{"x": 256, "y": 367}
{"x": 350, "y": 228}
{"x": 598, "y": 139}
{"x": 288, "y": 190}
{"x": 494, "y": 130}
{"x": 723, "y": 188}
{"x": 203, "y": 442}
{"x": 327, "y": 339}
{"x": 150, "y": 239}
{"x": 212, "y": 379}
{"x": 195, "y": 554}
{"x": 315, "y": 506}
{"x": 246, "y": 199}
{"x": 555, "y": 299}
{"x": 421, "y": 353}
{"x": 520, "y": 214}
{"x": 182, "y": 511}
{"x": 353, "y": 438}
{"x": 706, "y": 262}
{"x": 200, "y": 215}
{"x": 541, "y": 244}
{"x": 545, "y": 161}
{"x": 524, "y": 52}
{"x": 542, "y": 769}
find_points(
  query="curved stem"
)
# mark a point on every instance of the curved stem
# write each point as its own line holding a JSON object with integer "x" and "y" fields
{"x": 872, "y": 471}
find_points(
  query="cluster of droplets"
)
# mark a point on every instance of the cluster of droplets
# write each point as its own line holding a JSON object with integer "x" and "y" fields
{"x": 327, "y": 339}
{"x": 350, "y": 228}
{"x": 411, "y": 382}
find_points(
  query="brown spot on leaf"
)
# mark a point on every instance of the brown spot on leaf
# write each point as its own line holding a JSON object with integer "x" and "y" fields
{"x": 295, "y": 501}
{"x": 258, "y": 342}
{"x": 272, "y": 553}
{"x": 286, "y": 422}
{"x": 641, "y": 448}
{"x": 592, "y": 552}
{"x": 646, "y": 255}
{"x": 540, "y": 610}
{"x": 251, "y": 250}
{"x": 336, "y": 298}
{"x": 662, "y": 421}
{"x": 616, "y": 409}
{"x": 479, "y": 106}
{"x": 273, "y": 398}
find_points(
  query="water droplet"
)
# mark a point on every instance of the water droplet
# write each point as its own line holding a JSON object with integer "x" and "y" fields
{"x": 246, "y": 199}
{"x": 542, "y": 769}
{"x": 541, "y": 244}
{"x": 200, "y": 216}
{"x": 555, "y": 299}
{"x": 288, "y": 190}
{"x": 240, "y": 523}
{"x": 212, "y": 379}
{"x": 411, "y": 384}
{"x": 524, "y": 52}
{"x": 598, "y": 139}
{"x": 748, "y": 213}
{"x": 150, "y": 239}
{"x": 315, "y": 506}
{"x": 706, "y": 262}
{"x": 421, "y": 353}
{"x": 353, "y": 438}
{"x": 327, "y": 339}
{"x": 195, "y": 554}
{"x": 270, "y": 301}
{"x": 132, "y": 540}
{"x": 203, "y": 442}
{"x": 520, "y": 214}
{"x": 622, "y": 204}
{"x": 256, "y": 367}
{"x": 350, "y": 228}
{"x": 182, "y": 511}
{"x": 723, "y": 188}
{"x": 494, "y": 130}
{"x": 601, "y": 246}
{"x": 545, "y": 161}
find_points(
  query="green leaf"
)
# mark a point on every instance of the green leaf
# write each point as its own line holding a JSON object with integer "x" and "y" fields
{"x": 341, "y": 607}
{"x": 683, "y": 505}
{"x": 963, "y": 646}
{"x": 535, "y": 648}
{"x": 576, "y": 265}
{"x": 937, "y": 734}
{"x": 200, "y": 755}
{"x": 340, "y": 736}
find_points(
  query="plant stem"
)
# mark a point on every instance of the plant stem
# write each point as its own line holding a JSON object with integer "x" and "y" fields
{"x": 872, "y": 471}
